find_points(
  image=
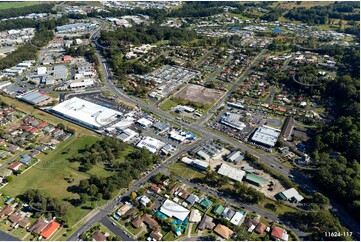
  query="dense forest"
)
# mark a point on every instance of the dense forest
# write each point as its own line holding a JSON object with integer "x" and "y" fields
{"x": 204, "y": 8}
{"x": 322, "y": 14}
{"x": 15, "y": 12}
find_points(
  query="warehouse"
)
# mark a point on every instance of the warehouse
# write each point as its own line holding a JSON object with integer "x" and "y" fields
{"x": 35, "y": 98}
{"x": 256, "y": 180}
{"x": 85, "y": 113}
{"x": 231, "y": 172}
{"x": 291, "y": 195}
{"x": 266, "y": 136}
{"x": 201, "y": 165}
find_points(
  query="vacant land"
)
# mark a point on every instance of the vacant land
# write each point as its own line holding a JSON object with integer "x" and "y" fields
{"x": 51, "y": 173}
{"x": 6, "y": 5}
{"x": 185, "y": 171}
{"x": 168, "y": 104}
{"x": 199, "y": 94}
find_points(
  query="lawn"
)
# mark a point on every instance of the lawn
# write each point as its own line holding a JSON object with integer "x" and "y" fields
{"x": 26, "y": 108}
{"x": 168, "y": 104}
{"x": 185, "y": 171}
{"x": 50, "y": 173}
{"x": 6, "y": 5}
{"x": 280, "y": 208}
{"x": 170, "y": 236}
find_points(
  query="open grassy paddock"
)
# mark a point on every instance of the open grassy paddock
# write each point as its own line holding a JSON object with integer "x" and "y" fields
{"x": 6, "y": 5}
{"x": 50, "y": 173}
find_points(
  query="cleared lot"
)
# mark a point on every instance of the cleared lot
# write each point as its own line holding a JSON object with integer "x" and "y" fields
{"x": 199, "y": 94}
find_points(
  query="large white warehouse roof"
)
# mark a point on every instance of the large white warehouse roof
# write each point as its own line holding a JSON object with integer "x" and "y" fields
{"x": 86, "y": 113}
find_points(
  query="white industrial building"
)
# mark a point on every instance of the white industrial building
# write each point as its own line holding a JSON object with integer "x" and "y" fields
{"x": 231, "y": 172}
{"x": 266, "y": 136}
{"x": 145, "y": 123}
{"x": 172, "y": 209}
{"x": 86, "y": 113}
{"x": 81, "y": 84}
{"x": 292, "y": 195}
{"x": 202, "y": 165}
{"x": 127, "y": 135}
{"x": 41, "y": 70}
{"x": 151, "y": 144}
{"x": 233, "y": 120}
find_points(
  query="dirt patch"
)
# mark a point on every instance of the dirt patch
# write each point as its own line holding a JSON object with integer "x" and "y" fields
{"x": 199, "y": 94}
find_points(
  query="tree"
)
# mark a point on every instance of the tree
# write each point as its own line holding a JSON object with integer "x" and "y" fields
{"x": 9, "y": 179}
{"x": 133, "y": 195}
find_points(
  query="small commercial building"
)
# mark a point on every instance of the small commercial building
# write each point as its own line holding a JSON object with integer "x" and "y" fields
{"x": 231, "y": 172}
{"x": 266, "y": 136}
{"x": 235, "y": 157}
{"x": 151, "y": 144}
{"x": 291, "y": 195}
{"x": 233, "y": 120}
{"x": 201, "y": 165}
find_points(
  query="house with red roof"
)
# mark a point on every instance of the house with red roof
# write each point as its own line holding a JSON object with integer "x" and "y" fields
{"x": 50, "y": 229}
{"x": 42, "y": 125}
{"x": 279, "y": 233}
{"x": 67, "y": 58}
{"x": 33, "y": 130}
{"x": 15, "y": 166}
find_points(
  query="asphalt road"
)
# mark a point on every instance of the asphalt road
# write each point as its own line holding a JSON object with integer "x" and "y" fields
{"x": 7, "y": 237}
{"x": 115, "y": 229}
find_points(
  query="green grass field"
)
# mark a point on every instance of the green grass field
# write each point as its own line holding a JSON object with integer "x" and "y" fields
{"x": 6, "y": 5}
{"x": 50, "y": 173}
{"x": 185, "y": 171}
{"x": 168, "y": 104}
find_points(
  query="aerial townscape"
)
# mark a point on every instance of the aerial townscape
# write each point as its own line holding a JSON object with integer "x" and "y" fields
{"x": 180, "y": 121}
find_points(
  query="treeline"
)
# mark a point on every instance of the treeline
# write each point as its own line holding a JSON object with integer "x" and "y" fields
{"x": 87, "y": 51}
{"x": 273, "y": 14}
{"x": 109, "y": 153}
{"x": 41, "y": 204}
{"x": 157, "y": 14}
{"x": 38, "y": 8}
{"x": 146, "y": 35}
{"x": 317, "y": 224}
{"x": 204, "y": 8}
{"x": 321, "y": 14}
